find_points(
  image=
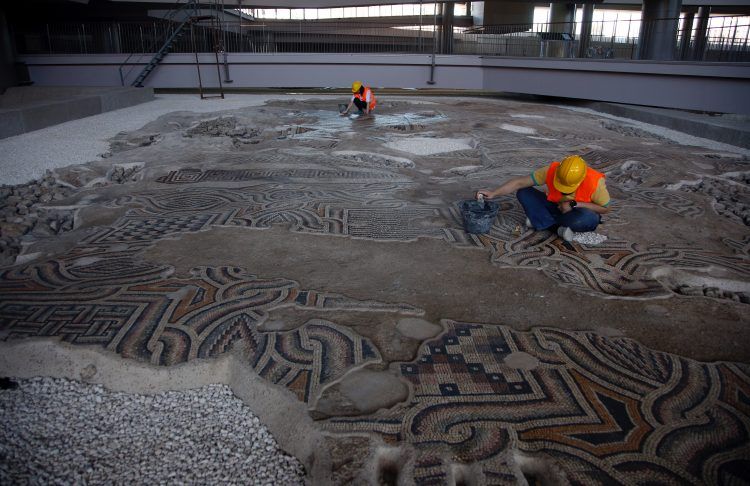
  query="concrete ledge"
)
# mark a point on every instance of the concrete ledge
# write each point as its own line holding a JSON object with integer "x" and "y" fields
{"x": 56, "y": 112}
{"x": 32, "y": 108}
{"x": 729, "y": 129}
{"x": 122, "y": 98}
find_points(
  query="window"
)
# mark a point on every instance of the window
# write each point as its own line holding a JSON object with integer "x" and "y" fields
{"x": 405, "y": 9}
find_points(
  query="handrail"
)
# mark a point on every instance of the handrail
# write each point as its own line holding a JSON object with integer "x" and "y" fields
{"x": 179, "y": 6}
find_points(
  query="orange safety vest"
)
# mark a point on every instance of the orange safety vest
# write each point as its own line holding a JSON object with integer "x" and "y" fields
{"x": 363, "y": 97}
{"x": 582, "y": 194}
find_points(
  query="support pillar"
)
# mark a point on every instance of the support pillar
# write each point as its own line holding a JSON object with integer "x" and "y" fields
{"x": 8, "y": 76}
{"x": 562, "y": 16}
{"x": 659, "y": 22}
{"x": 685, "y": 34}
{"x": 504, "y": 17}
{"x": 586, "y": 18}
{"x": 446, "y": 28}
{"x": 701, "y": 31}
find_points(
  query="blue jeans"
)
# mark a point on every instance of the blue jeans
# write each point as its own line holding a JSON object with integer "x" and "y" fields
{"x": 544, "y": 214}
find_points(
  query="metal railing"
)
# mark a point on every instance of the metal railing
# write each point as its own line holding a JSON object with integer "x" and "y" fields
{"x": 619, "y": 39}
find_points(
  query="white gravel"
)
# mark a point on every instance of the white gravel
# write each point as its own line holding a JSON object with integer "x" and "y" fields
{"x": 56, "y": 431}
{"x": 589, "y": 238}
{"x": 429, "y": 146}
{"x": 25, "y": 157}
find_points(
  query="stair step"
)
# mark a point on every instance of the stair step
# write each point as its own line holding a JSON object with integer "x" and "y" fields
{"x": 191, "y": 8}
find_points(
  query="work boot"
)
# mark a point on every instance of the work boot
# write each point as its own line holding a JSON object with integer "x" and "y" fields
{"x": 565, "y": 233}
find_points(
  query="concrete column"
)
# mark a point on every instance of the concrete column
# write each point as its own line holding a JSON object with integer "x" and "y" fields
{"x": 659, "y": 21}
{"x": 512, "y": 15}
{"x": 586, "y": 18}
{"x": 685, "y": 33}
{"x": 446, "y": 28}
{"x": 477, "y": 13}
{"x": 8, "y": 76}
{"x": 562, "y": 16}
{"x": 701, "y": 30}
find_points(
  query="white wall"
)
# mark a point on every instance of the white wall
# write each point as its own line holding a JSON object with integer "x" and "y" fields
{"x": 707, "y": 86}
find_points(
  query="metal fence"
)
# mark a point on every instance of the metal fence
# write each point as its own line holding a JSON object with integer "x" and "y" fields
{"x": 727, "y": 41}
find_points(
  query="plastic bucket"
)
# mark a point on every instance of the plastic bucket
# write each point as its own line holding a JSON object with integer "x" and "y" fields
{"x": 478, "y": 216}
{"x": 342, "y": 107}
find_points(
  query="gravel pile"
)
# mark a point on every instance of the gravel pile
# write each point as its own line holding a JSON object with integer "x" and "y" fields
{"x": 216, "y": 127}
{"x": 730, "y": 193}
{"x": 56, "y": 431}
{"x": 23, "y": 211}
{"x": 126, "y": 141}
{"x": 124, "y": 173}
{"x": 630, "y": 174}
{"x": 715, "y": 292}
{"x": 373, "y": 160}
{"x": 226, "y": 126}
{"x": 589, "y": 238}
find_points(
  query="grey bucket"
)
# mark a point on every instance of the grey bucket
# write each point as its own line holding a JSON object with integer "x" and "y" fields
{"x": 342, "y": 107}
{"x": 478, "y": 215}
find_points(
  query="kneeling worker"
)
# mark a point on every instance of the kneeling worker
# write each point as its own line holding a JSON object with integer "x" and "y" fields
{"x": 362, "y": 97}
{"x": 576, "y": 197}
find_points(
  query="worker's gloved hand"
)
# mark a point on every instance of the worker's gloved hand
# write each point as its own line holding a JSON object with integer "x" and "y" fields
{"x": 564, "y": 207}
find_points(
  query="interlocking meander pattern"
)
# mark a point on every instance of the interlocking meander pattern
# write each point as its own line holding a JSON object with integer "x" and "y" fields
{"x": 609, "y": 409}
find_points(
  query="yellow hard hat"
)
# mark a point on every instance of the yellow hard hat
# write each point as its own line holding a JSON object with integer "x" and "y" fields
{"x": 356, "y": 85}
{"x": 570, "y": 174}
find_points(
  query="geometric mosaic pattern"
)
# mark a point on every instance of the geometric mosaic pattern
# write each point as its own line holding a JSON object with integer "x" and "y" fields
{"x": 145, "y": 315}
{"x": 369, "y": 210}
{"x": 667, "y": 200}
{"x": 310, "y": 357}
{"x": 196, "y": 175}
{"x": 615, "y": 267}
{"x": 608, "y": 410}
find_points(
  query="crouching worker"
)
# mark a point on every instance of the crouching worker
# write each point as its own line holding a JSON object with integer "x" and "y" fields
{"x": 363, "y": 98}
{"x": 576, "y": 197}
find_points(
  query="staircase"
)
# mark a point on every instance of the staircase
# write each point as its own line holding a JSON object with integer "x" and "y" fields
{"x": 190, "y": 9}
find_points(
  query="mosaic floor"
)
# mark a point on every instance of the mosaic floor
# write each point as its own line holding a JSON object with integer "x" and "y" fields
{"x": 600, "y": 409}
{"x": 609, "y": 410}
